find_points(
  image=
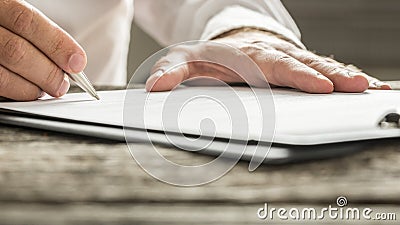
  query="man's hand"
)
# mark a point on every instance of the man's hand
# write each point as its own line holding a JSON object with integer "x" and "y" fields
{"x": 282, "y": 63}
{"x": 34, "y": 52}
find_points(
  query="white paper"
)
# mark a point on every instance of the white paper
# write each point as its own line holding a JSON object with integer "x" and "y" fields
{"x": 300, "y": 118}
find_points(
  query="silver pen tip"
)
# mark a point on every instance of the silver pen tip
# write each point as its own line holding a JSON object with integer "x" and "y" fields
{"x": 97, "y": 97}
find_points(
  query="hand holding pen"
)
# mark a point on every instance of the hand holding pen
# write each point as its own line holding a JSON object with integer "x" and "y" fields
{"x": 35, "y": 53}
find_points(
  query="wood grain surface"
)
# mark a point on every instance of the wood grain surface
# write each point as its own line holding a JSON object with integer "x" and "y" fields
{"x": 82, "y": 180}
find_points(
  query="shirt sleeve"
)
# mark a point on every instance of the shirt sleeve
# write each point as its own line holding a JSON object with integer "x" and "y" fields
{"x": 176, "y": 21}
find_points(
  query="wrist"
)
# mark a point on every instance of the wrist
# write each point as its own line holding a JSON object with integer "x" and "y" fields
{"x": 252, "y": 33}
{"x": 242, "y": 31}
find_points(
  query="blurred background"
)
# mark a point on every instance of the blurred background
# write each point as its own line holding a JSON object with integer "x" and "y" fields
{"x": 361, "y": 32}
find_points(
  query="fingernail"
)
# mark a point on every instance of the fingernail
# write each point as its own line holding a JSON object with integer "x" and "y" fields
{"x": 389, "y": 86}
{"x": 64, "y": 87}
{"x": 77, "y": 63}
{"x": 158, "y": 73}
{"x": 380, "y": 84}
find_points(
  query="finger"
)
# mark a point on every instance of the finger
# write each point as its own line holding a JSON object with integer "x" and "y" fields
{"x": 283, "y": 70}
{"x": 377, "y": 84}
{"x": 166, "y": 81}
{"x": 169, "y": 72}
{"x": 13, "y": 86}
{"x": 343, "y": 79}
{"x": 27, "y": 22}
{"x": 22, "y": 58}
{"x": 373, "y": 82}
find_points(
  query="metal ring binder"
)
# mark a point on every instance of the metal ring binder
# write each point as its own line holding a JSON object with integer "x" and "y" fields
{"x": 392, "y": 120}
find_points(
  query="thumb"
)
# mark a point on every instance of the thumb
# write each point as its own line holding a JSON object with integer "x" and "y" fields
{"x": 169, "y": 72}
{"x": 162, "y": 80}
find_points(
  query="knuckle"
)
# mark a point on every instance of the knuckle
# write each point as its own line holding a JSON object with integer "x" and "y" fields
{"x": 331, "y": 60}
{"x": 283, "y": 60}
{"x": 22, "y": 18}
{"x": 284, "y": 46}
{"x": 253, "y": 51}
{"x": 4, "y": 79}
{"x": 312, "y": 61}
{"x": 332, "y": 69}
{"x": 57, "y": 44}
{"x": 176, "y": 56}
{"x": 161, "y": 64}
{"x": 30, "y": 94}
{"x": 53, "y": 79}
{"x": 262, "y": 45}
{"x": 14, "y": 50}
{"x": 247, "y": 48}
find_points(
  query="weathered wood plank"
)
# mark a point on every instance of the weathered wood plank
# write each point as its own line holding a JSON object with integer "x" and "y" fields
{"x": 37, "y": 166}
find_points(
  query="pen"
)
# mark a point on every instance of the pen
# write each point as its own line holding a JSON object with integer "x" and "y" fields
{"x": 83, "y": 82}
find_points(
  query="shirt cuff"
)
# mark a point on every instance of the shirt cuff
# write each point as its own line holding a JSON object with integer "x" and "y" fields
{"x": 236, "y": 17}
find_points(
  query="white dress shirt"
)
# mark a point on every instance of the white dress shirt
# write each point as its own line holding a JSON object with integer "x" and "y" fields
{"x": 102, "y": 27}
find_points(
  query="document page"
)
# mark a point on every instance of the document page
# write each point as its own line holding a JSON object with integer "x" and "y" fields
{"x": 295, "y": 117}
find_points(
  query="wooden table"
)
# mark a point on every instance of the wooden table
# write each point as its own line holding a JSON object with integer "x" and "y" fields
{"x": 53, "y": 178}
